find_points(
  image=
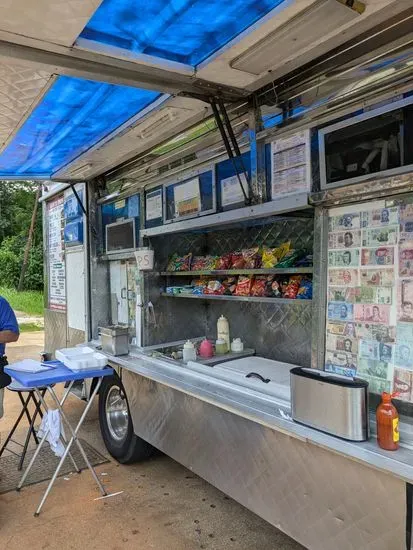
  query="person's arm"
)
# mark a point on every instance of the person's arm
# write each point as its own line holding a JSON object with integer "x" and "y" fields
{"x": 9, "y": 328}
{"x": 8, "y": 336}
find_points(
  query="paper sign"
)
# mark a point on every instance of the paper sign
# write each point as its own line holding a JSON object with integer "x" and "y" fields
{"x": 231, "y": 192}
{"x": 187, "y": 198}
{"x": 153, "y": 205}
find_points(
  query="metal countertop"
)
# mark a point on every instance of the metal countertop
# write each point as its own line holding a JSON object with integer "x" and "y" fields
{"x": 263, "y": 409}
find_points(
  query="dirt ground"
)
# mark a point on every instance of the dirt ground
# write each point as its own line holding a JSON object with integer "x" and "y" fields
{"x": 161, "y": 505}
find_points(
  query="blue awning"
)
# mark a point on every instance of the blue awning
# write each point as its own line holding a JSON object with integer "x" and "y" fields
{"x": 187, "y": 31}
{"x": 72, "y": 116}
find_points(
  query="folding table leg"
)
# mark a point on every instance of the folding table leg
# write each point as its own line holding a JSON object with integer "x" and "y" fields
{"x": 73, "y": 439}
{"x": 14, "y": 428}
{"x": 26, "y": 410}
{"x": 32, "y": 461}
{"x": 31, "y": 429}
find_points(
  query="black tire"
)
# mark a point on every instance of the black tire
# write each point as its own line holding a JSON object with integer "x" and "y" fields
{"x": 116, "y": 425}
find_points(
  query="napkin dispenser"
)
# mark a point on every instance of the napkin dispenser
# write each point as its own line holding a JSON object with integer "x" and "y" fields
{"x": 337, "y": 405}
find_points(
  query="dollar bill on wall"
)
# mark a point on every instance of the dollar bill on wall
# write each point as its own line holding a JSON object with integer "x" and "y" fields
{"x": 378, "y": 332}
{"x": 341, "y": 343}
{"x": 343, "y": 277}
{"x": 377, "y": 256}
{"x": 344, "y": 239}
{"x": 368, "y": 349}
{"x": 373, "y": 295}
{"x": 340, "y": 294}
{"x": 372, "y": 313}
{"x": 404, "y": 332}
{"x": 378, "y": 385}
{"x": 376, "y": 369}
{"x": 380, "y": 217}
{"x": 404, "y": 354}
{"x": 405, "y": 305}
{"x": 377, "y": 277}
{"x": 380, "y": 236}
{"x": 344, "y": 222}
{"x": 341, "y": 363}
{"x": 403, "y": 384}
{"x": 342, "y": 329}
{"x": 340, "y": 311}
{"x": 406, "y": 261}
{"x": 344, "y": 258}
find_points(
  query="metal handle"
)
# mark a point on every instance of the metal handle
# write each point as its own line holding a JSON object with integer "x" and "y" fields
{"x": 256, "y": 375}
{"x": 123, "y": 293}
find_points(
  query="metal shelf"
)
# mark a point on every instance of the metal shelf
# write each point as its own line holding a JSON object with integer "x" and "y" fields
{"x": 273, "y": 271}
{"x": 237, "y": 298}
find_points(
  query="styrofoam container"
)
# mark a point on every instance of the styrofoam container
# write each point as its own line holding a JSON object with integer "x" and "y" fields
{"x": 81, "y": 358}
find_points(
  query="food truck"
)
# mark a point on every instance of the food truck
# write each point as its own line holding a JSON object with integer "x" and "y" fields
{"x": 251, "y": 209}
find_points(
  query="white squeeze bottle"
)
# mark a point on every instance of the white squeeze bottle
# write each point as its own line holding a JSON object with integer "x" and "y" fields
{"x": 189, "y": 352}
{"x": 223, "y": 331}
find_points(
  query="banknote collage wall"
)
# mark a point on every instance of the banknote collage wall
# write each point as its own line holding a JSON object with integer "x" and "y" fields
{"x": 370, "y": 294}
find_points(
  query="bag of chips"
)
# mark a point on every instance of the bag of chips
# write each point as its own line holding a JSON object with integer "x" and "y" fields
{"x": 198, "y": 263}
{"x": 251, "y": 258}
{"x": 305, "y": 292}
{"x": 223, "y": 262}
{"x": 180, "y": 263}
{"x": 214, "y": 287}
{"x": 243, "y": 286}
{"x": 259, "y": 286}
{"x": 289, "y": 259}
{"x": 272, "y": 287}
{"x": 229, "y": 284}
{"x": 292, "y": 288}
{"x": 271, "y": 256}
{"x": 237, "y": 261}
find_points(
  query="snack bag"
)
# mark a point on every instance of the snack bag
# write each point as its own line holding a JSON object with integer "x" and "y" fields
{"x": 224, "y": 262}
{"x": 243, "y": 286}
{"x": 214, "y": 287}
{"x": 271, "y": 256}
{"x": 259, "y": 286}
{"x": 198, "y": 263}
{"x": 289, "y": 259}
{"x": 305, "y": 291}
{"x": 210, "y": 263}
{"x": 251, "y": 258}
{"x": 229, "y": 284}
{"x": 292, "y": 287}
{"x": 272, "y": 287}
{"x": 177, "y": 263}
{"x": 237, "y": 261}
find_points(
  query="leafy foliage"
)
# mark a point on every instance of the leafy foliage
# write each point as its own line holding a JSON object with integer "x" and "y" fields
{"x": 16, "y": 207}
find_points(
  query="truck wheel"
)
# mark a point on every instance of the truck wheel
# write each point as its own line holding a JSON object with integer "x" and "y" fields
{"x": 116, "y": 424}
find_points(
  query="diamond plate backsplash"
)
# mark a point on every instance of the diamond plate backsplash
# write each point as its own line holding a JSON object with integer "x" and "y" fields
{"x": 277, "y": 331}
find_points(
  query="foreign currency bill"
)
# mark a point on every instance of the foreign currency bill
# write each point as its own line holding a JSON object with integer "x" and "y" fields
{"x": 344, "y": 239}
{"x": 404, "y": 332}
{"x": 403, "y": 383}
{"x": 343, "y": 277}
{"x": 368, "y": 349}
{"x": 380, "y": 333}
{"x": 380, "y": 217}
{"x": 376, "y": 369}
{"x": 341, "y": 343}
{"x": 406, "y": 262}
{"x": 342, "y": 329}
{"x": 373, "y": 295}
{"x": 340, "y": 311}
{"x": 378, "y": 385}
{"x": 404, "y": 354}
{"x": 380, "y": 236}
{"x": 372, "y": 313}
{"x": 340, "y": 361}
{"x": 377, "y": 277}
{"x": 405, "y": 305}
{"x": 339, "y": 294}
{"x": 377, "y": 256}
{"x": 344, "y": 222}
{"x": 343, "y": 258}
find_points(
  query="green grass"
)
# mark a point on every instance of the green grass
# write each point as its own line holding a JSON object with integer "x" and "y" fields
{"x": 30, "y": 327}
{"x": 29, "y": 302}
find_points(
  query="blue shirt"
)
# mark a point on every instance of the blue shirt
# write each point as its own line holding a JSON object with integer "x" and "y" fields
{"x": 8, "y": 320}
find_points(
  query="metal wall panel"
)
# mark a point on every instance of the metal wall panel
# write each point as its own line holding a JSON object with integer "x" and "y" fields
{"x": 321, "y": 499}
{"x": 55, "y": 330}
{"x": 75, "y": 337}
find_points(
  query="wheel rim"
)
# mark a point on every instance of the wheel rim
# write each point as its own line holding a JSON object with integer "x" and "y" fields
{"x": 117, "y": 414}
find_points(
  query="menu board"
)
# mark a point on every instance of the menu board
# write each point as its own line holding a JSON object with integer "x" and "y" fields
{"x": 56, "y": 257}
{"x": 369, "y": 319}
{"x": 290, "y": 165}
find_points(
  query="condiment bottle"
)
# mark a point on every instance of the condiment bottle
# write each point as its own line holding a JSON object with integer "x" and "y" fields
{"x": 237, "y": 345}
{"x": 223, "y": 331}
{"x": 387, "y": 419}
{"x": 206, "y": 349}
{"x": 220, "y": 346}
{"x": 189, "y": 352}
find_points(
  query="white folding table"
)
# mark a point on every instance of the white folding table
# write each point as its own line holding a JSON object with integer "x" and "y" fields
{"x": 47, "y": 379}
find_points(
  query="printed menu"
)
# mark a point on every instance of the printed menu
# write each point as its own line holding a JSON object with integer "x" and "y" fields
{"x": 369, "y": 318}
{"x": 56, "y": 254}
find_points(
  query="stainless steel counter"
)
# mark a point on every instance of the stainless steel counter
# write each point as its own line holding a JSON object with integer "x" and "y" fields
{"x": 265, "y": 410}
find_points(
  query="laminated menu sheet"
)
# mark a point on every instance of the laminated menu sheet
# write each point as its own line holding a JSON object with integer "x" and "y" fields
{"x": 369, "y": 317}
{"x": 291, "y": 165}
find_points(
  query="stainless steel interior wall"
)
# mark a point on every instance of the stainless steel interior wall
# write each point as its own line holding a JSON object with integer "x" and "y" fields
{"x": 75, "y": 337}
{"x": 277, "y": 331}
{"x": 320, "y": 498}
